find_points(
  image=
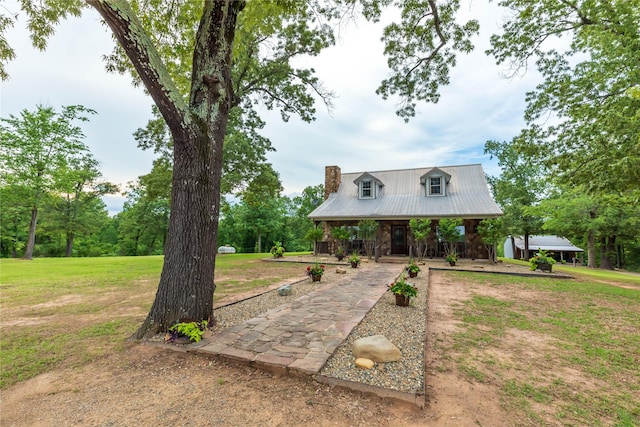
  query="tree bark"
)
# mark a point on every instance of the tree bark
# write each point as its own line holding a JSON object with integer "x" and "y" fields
{"x": 31, "y": 239}
{"x": 187, "y": 281}
{"x": 607, "y": 251}
{"x": 591, "y": 250}
{"x": 69, "y": 248}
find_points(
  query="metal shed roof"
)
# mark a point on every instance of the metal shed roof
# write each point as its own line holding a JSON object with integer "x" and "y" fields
{"x": 547, "y": 243}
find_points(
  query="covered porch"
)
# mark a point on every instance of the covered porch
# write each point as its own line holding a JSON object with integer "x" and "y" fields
{"x": 394, "y": 239}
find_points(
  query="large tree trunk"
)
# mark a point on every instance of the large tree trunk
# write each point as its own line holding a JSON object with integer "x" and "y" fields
{"x": 607, "y": 252}
{"x": 31, "y": 240}
{"x": 69, "y": 249}
{"x": 187, "y": 281}
{"x": 591, "y": 250}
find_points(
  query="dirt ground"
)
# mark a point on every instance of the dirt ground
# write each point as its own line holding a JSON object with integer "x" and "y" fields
{"x": 150, "y": 386}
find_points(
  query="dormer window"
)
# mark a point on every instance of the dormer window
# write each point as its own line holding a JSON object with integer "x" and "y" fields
{"x": 435, "y": 185}
{"x": 366, "y": 190}
{"x": 369, "y": 187}
{"x": 435, "y": 182}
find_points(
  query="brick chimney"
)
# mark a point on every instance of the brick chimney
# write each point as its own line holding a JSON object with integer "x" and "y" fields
{"x": 332, "y": 179}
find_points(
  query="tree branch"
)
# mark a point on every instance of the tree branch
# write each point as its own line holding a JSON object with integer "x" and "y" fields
{"x": 437, "y": 25}
{"x": 141, "y": 52}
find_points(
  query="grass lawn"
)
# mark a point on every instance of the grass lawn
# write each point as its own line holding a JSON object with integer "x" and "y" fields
{"x": 69, "y": 311}
{"x": 561, "y": 351}
{"x": 589, "y": 273}
{"x": 578, "y": 365}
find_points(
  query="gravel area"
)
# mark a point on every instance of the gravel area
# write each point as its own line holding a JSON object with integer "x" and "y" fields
{"x": 405, "y": 327}
{"x": 233, "y": 314}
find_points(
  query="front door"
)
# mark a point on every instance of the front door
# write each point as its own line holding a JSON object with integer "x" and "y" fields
{"x": 398, "y": 240}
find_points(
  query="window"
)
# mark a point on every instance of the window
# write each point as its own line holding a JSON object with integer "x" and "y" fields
{"x": 435, "y": 185}
{"x": 366, "y": 190}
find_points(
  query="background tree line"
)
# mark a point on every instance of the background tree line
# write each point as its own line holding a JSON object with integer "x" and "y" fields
{"x": 52, "y": 187}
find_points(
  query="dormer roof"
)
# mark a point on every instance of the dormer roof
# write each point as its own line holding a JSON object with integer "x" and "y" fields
{"x": 435, "y": 172}
{"x": 366, "y": 176}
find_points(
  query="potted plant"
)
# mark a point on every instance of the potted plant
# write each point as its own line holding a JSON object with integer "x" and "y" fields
{"x": 403, "y": 291}
{"x": 315, "y": 271}
{"x": 412, "y": 268}
{"x": 541, "y": 261}
{"x": 187, "y": 331}
{"x": 354, "y": 260}
{"x": 341, "y": 235}
{"x": 277, "y": 250}
{"x": 451, "y": 258}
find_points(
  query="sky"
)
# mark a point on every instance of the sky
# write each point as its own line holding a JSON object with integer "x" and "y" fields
{"x": 361, "y": 133}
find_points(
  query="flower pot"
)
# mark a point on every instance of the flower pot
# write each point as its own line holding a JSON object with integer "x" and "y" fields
{"x": 544, "y": 267}
{"x": 402, "y": 301}
{"x": 452, "y": 263}
{"x": 340, "y": 257}
{"x": 316, "y": 277}
{"x": 413, "y": 273}
{"x": 354, "y": 264}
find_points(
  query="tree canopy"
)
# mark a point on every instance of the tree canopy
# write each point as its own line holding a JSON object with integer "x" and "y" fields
{"x": 43, "y": 151}
{"x": 584, "y": 119}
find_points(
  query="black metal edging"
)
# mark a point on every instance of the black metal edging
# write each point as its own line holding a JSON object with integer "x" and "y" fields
{"x": 257, "y": 295}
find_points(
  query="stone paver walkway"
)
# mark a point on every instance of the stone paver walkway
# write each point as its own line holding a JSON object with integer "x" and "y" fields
{"x": 303, "y": 334}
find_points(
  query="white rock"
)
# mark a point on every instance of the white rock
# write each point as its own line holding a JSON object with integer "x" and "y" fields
{"x": 284, "y": 290}
{"x": 377, "y": 348}
{"x": 364, "y": 363}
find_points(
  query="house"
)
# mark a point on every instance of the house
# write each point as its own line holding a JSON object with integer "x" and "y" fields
{"x": 558, "y": 247}
{"x": 394, "y": 197}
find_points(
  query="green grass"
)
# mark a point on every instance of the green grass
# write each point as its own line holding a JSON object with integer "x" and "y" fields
{"x": 70, "y": 311}
{"x": 44, "y": 279}
{"x": 586, "y": 326}
{"x": 588, "y": 273}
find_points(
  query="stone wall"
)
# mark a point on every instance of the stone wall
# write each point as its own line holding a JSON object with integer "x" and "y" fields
{"x": 475, "y": 248}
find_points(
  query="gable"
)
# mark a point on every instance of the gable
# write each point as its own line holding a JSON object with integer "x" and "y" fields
{"x": 435, "y": 172}
{"x": 435, "y": 182}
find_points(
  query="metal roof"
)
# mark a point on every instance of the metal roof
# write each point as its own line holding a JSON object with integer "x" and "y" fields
{"x": 402, "y": 196}
{"x": 547, "y": 243}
